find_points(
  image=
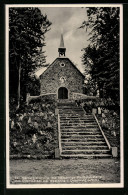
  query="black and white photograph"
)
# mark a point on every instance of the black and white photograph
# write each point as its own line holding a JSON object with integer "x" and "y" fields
{"x": 64, "y": 96}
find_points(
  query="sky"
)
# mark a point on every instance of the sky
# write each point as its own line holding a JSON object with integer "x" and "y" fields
{"x": 66, "y": 20}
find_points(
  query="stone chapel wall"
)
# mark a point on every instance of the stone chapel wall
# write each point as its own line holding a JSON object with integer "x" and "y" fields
{"x": 61, "y": 74}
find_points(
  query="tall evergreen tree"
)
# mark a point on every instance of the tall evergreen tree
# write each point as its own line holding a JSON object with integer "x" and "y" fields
{"x": 101, "y": 57}
{"x": 27, "y": 28}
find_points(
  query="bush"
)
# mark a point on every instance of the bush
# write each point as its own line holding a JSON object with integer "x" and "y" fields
{"x": 34, "y": 120}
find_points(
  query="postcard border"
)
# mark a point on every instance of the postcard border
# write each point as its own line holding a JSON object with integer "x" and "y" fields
{"x": 118, "y": 185}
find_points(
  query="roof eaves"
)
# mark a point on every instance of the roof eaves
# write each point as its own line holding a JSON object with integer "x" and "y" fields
{"x": 48, "y": 67}
{"x": 77, "y": 68}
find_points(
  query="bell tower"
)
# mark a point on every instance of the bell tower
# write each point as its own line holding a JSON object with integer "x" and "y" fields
{"x": 61, "y": 49}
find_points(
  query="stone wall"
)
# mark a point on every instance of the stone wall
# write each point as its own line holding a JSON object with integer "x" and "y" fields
{"x": 59, "y": 75}
{"x": 80, "y": 96}
{"x": 51, "y": 96}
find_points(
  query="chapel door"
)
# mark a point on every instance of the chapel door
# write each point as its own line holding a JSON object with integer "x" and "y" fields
{"x": 62, "y": 93}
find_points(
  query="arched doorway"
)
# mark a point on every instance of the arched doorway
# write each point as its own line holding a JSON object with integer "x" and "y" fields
{"x": 62, "y": 93}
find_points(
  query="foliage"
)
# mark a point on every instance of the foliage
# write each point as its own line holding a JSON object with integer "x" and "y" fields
{"x": 101, "y": 57}
{"x": 34, "y": 120}
{"x": 104, "y": 103}
{"x": 111, "y": 127}
{"x": 27, "y": 28}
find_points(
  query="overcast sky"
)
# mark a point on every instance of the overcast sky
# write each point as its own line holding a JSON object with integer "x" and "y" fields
{"x": 68, "y": 20}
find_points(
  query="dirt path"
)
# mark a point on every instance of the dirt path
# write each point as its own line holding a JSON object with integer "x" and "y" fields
{"x": 65, "y": 171}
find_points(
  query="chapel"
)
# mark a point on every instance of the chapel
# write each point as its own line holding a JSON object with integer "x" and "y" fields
{"x": 62, "y": 77}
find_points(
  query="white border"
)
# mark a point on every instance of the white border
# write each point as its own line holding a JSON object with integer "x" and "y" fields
{"x": 113, "y": 185}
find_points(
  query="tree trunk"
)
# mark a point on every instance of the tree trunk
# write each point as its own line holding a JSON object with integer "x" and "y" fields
{"x": 18, "y": 102}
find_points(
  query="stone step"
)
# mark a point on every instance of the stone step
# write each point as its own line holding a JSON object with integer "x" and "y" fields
{"x": 86, "y": 151}
{"x": 86, "y": 115}
{"x": 62, "y": 110}
{"x": 64, "y": 103}
{"x": 78, "y": 125}
{"x": 87, "y": 139}
{"x": 80, "y": 133}
{"x": 84, "y": 147}
{"x": 75, "y": 117}
{"x": 66, "y": 108}
{"x": 72, "y": 143}
{"x": 78, "y": 120}
{"x": 77, "y": 132}
{"x": 63, "y": 115}
{"x": 69, "y": 108}
{"x": 86, "y": 156}
{"x": 71, "y": 112}
{"x": 93, "y": 124}
{"x": 86, "y": 124}
{"x": 81, "y": 136}
{"x": 81, "y": 129}
{"x": 72, "y": 116}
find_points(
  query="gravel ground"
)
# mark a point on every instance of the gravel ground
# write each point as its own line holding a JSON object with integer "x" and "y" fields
{"x": 65, "y": 171}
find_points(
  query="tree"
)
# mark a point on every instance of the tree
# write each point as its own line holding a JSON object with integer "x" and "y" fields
{"x": 101, "y": 57}
{"x": 27, "y": 28}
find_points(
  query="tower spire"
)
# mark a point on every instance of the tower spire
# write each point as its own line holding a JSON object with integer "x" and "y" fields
{"x": 61, "y": 49}
{"x": 61, "y": 41}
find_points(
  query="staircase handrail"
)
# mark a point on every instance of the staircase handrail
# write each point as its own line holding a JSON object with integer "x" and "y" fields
{"x": 109, "y": 146}
{"x": 59, "y": 134}
{"x": 107, "y": 142}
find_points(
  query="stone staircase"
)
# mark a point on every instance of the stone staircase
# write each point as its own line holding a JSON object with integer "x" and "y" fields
{"x": 80, "y": 136}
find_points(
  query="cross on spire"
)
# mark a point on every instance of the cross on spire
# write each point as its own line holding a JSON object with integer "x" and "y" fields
{"x": 61, "y": 49}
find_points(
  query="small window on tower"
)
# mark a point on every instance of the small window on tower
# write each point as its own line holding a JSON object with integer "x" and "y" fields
{"x": 62, "y": 64}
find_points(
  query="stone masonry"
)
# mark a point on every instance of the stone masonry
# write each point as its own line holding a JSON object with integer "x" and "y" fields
{"x": 62, "y": 73}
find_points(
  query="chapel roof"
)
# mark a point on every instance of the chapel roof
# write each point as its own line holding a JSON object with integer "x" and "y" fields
{"x": 61, "y": 51}
{"x": 40, "y": 71}
{"x": 43, "y": 69}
